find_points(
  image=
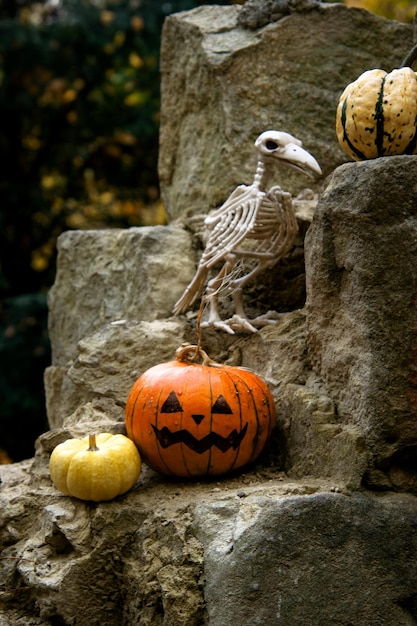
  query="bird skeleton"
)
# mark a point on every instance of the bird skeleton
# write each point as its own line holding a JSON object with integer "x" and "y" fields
{"x": 249, "y": 233}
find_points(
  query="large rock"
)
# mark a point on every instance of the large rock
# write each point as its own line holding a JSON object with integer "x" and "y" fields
{"x": 90, "y": 393}
{"x": 108, "y": 275}
{"x": 309, "y": 560}
{"x": 294, "y": 538}
{"x": 228, "y": 75}
{"x": 106, "y": 363}
{"x": 241, "y": 550}
{"x": 361, "y": 310}
{"x": 309, "y": 439}
{"x": 90, "y": 390}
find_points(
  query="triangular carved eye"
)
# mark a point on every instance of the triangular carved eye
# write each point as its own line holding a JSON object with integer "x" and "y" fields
{"x": 221, "y": 406}
{"x": 171, "y": 404}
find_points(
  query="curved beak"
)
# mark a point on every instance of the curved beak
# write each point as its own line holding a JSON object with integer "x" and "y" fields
{"x": 299, "y": 159}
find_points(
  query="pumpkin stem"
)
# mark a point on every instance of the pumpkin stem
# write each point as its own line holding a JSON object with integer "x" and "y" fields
{"x": 189, "y": 353}
{"x": 92, "y": 447}
{"x": 410, "y": 58}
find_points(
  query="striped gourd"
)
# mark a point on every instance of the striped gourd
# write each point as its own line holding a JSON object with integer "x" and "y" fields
{"x": 377, "y": 113}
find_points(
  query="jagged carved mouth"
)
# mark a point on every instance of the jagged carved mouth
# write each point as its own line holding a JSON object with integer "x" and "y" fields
{"x": 167, "y": 438}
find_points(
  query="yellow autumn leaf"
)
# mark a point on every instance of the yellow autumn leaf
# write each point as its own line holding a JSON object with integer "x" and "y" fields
{"x": 125, "y": 138}
{"x": 135, "y": 98}
{"x": 135, "y": 60}
{"x": 107, "y": 17}
{"x": 69, "y": 95}
{"x": 137, "y": 23}
{"x": 106, "y": 197}
{"x": 119, "y": 38}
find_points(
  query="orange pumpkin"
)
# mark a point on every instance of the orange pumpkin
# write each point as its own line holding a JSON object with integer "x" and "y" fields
{"x": 190, "y": 419}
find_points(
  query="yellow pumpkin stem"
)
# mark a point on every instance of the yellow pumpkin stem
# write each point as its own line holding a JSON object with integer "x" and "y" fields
{"x": 92, "y": 447}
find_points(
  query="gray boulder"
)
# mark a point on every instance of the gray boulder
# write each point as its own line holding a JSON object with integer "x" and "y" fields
{"x": 108, "y": 275}
{"x": 242, "y": 550}
{"x": 235, "y": 74}
{"x": 301, "y": 536}
{"x": 361, "y": 310}
{"x": 310, "y": 560}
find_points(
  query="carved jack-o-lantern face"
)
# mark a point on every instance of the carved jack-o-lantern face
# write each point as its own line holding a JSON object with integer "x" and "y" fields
{"x": 167, "y": 437}
{"x": 194, "y": 420}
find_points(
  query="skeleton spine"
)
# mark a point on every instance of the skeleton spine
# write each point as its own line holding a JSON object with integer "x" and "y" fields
{"x": 263, "y": 171}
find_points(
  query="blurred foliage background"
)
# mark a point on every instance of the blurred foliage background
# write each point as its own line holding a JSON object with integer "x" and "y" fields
{"x": 79, "y": 114}
{"x": 400, "y": 10}
{"x": 79, "y": 107}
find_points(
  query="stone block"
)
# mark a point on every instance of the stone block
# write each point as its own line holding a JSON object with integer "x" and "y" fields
{"x": 109, "y": 275}
{"x": 361, "y": 274}
{"x": 310, "y": 560}
{"x": 227, "y": 75}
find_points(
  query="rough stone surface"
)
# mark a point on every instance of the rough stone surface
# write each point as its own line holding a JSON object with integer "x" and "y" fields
{"x": 243, "y": 550}
{"x": 302, "y": 560}
{"x": 361, "y": 306}
{"x": 91, "y": 391}
{"x": 309, "y": 439}
{"x": 139, "y": 274}
{"x": 107, "y": 362}
{"x": 298, "y": 537}
{"x": 135, "y": 561}
{"x": 227, "y": 75}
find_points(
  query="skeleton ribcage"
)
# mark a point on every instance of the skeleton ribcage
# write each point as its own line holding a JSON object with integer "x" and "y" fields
{"x": 267, "y": 221}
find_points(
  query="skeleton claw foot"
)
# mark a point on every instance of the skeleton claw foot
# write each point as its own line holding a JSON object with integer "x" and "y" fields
{"x": 240, "y": 323}
{"x": 218, "y": 326}
{"x": 233, "y": 324}
{"x": 271, "y": 317}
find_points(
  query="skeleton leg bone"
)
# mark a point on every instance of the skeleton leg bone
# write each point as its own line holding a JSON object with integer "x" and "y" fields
{"x": 243, "y": 323}
{"x": 213, "y": 287}
{"x": 239, "y": 321}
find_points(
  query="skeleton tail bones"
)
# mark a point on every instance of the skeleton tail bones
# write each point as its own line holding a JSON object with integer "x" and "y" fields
{"x": 192, "y": 292}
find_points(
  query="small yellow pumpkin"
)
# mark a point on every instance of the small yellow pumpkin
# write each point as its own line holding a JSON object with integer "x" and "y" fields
{"x": 98, "y": 467}
{"x": 377, "y": 113}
